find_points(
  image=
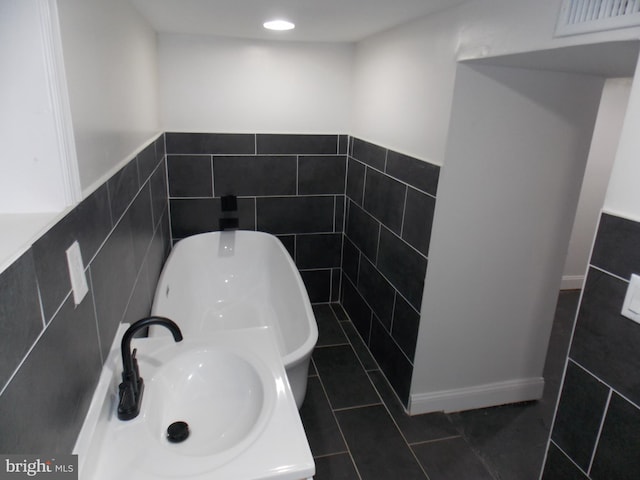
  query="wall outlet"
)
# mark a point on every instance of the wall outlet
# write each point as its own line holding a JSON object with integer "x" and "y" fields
{"x": 631, "y": 306}
{"x": 76, "y": 272}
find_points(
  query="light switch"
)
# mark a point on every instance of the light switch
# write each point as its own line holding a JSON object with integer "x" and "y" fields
{"x": 76, "y": 272}
{"x": 631, "y": 306}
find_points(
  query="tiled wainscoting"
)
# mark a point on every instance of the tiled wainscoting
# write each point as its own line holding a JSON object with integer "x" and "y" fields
{"x": 295, "y": 186}
{"x": 289, "y": 185}
{"x": 51, "y": 350}
{"x": 597, "y": 423}
{"x": 355, "y": 217}
{"x": 390, "y": 205}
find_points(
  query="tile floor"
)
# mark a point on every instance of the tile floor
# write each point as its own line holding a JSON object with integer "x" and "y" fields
{"x": 358, "y": 430}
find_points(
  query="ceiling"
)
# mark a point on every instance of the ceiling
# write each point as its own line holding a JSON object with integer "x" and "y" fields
{"x": 316, "y": 20}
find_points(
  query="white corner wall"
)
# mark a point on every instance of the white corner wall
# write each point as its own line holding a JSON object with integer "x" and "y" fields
{"x": 403, "y": 89}
{"x": 111, "y": 67}
{"x": 211, "y": 84}
{"x": 606, "y": 135}
{"x": 404, "y": 78}
{"x": 516, "y": 151}
{"x": 623, "y": 195}
{"x": 32, "y": 165}
{"x": 403, "y": 92}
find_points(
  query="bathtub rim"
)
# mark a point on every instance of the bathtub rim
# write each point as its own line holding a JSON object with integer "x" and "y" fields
{"x": 303, "y": 351}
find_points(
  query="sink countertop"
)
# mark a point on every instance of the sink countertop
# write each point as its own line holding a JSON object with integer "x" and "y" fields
{"x": 277, "y": 450}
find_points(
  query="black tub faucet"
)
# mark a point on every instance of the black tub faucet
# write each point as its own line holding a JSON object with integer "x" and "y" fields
{"x": 132, "y": 385}
{"x": 229, "y": 207}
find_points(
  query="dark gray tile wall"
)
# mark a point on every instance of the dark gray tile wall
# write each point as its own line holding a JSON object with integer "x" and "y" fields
{"x": 390, "y": 204}
{"x": 51, "y": 351}
{"x": 596, "y": 432}
{"x": 288, "y": 185}
{"x": 355, "y": 217}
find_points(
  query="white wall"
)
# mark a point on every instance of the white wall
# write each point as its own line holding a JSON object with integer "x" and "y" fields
{"x": 210, "y": 84}
{"x": 518, "y": 142}
{"x": 606, "y": 135}
{"x": 404, "y": 77}
{"x": 110, "y": 59}
{"x": 32, "y": 177}
{"x": 623, "y": 194}
{"x": 404, "y": 89}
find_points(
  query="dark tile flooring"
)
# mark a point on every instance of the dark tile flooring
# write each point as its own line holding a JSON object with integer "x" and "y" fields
{"x": 357, "y": 429}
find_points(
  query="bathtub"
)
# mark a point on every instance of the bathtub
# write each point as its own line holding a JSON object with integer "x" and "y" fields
{"x": 239, "y": 279}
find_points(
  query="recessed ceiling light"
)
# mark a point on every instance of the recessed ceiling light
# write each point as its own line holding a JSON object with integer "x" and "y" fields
{"x": 278, "y": 25}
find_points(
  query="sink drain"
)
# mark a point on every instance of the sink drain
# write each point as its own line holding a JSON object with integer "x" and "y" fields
{"x": 178, "y": 432}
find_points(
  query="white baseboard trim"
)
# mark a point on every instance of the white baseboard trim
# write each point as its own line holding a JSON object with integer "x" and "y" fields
{"x": 480, "y": 396}
{"x": 572, "y": 282}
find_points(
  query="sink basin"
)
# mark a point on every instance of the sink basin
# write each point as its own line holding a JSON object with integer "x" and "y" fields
{"x": 232, "y": 392}
{"x": 223, "y": 395}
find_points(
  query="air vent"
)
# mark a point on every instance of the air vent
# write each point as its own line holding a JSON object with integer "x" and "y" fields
{"x": 583, "y": 16}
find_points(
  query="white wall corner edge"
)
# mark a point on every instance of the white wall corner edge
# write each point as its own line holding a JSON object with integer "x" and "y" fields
{"x": 61, "y": 105}
{"x": 479, "y": 396}
{"x": 572, "y": 282}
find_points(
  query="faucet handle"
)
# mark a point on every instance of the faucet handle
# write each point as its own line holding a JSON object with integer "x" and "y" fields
{"x": 134, "y": 360}
{"x": 134, "y": 375}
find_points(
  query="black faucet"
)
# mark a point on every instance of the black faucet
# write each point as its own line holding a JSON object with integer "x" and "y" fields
{"x": 132, "y": 384}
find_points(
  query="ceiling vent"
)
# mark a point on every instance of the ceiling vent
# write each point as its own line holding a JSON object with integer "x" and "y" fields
{"x": 583, "y": 16}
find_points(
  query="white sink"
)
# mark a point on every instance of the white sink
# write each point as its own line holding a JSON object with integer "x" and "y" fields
{"x": 224, "y": 396}
{"x": 231, "y": 391}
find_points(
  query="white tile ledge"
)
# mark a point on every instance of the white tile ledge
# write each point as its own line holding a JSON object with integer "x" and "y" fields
{"x": 20, "y": 231}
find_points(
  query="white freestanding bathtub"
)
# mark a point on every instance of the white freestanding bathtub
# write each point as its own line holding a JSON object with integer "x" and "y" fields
{"x": 239, "y": 279}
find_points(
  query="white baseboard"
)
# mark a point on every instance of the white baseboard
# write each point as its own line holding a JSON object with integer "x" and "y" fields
{"x": 572, "y": 282}
{"x": 480, "y": 396}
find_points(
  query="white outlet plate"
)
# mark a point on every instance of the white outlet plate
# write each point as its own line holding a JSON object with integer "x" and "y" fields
{"x": 76, "y": 272}
{"x": 631, "y": 306}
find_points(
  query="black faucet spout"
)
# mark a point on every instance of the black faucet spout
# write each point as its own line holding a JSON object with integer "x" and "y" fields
{"x": 132, "y": 385}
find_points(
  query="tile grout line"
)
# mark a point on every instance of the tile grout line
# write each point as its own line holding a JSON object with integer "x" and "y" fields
{"x": 598, "y": 436}
{"x": 28, "y": 353}
{"x": 552, "y": 442}
{"x": 95, "y": 316}
{"x": 375, "y": 262}
{"x": 381, "y": 224}
{"x": 340, "y": 270}
{"x": 396, "y": 178}
{"x": 213, "y": 180}
{"x": 332, "y": 454}
{"x": 435, "y": 440}
{"x": 335, "y": 419}
{"x": 335, "y": 217}
{"x": 409, "y": 445}
{"x": 356, "y": 407}
{"x": 378, "y": 369}
{"x": 602, "y": 270}
{"x": 382, "y": 402}
{"x": 354, "y": 350}
{"x": 565, "y": 367}
{"x": 404, "y": 211}
{"x": 393, "y": 312}
{"x": 364, "y": 185}
{"x": 383, "y": 326}
{"x": 614, "y": 390}
{"x": 395, "y": 423}
{"x": 387, "y": 280}
{"x": 332, "y": 345}
{"x": 47, "y": 324}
